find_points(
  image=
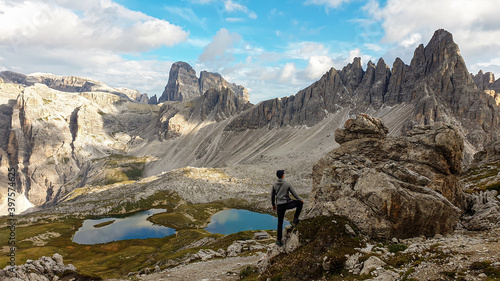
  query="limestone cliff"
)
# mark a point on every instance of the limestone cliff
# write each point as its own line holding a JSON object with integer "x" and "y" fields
{"x": 52, "y": 137}
{"x": 183, "y": 84}
{"x": 71, "y": 84}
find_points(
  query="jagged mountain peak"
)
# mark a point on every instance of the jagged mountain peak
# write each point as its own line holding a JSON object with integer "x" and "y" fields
{"x": 436, "y": 84}
{"x": 183, "y": 84}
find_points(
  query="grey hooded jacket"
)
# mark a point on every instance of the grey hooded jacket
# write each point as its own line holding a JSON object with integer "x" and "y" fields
{"x": 280, "y": 193}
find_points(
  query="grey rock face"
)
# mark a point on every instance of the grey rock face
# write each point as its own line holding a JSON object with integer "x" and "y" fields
{"x": 183, "y": 84}
{"x": 12, "y": 77}
{"x": 352, "y": 74}
{"x": 491, "y": 153}
{"x": 217, "y": 105}
{"x": 483, "y": 211}
{"x": 307, "y": 107}
{"x": 153, "y": 100}
{"x": 211, "y": 80}
{"x": 484, "y": 80}
{"x": 392, "y": 187}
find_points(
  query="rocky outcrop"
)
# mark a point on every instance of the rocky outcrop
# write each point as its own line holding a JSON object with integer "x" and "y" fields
{"x": 153, "y": 100}
{"x": 486, "y": 82}
{"x": 392, "y": 187}
{"x": 211, "y": 80}
{"x": 176, "y": 119}
{"x": 491, "y": 153}
{"x": 12, "y": 77}
{"x": 43, "y": 269}
{"x": 483, "y": 211}
{"x": 363, "y": 127}
{"x": 482, "y": 181}
{"x": 183, "y": 84}
{"x": 436, "y": 83}
{"x": 221, "y": 104}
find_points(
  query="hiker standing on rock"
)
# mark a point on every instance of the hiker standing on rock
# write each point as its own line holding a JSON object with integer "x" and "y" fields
{"x": 280, "y": 198}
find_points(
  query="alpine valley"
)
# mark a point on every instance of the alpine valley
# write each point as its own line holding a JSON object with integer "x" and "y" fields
{"x": 399, "y": 167}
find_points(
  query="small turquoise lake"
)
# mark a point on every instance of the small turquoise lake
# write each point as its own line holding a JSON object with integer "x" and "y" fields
{"x": 136, "y": 226}
{"x": 234, "y": 220}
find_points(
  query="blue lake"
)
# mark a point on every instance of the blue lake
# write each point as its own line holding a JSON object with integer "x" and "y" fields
{"x": 234, "y": 220}
{"x": 134, "y": 226}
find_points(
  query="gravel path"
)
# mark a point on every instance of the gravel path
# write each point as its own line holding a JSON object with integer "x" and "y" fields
{"x": 218, "y": 269}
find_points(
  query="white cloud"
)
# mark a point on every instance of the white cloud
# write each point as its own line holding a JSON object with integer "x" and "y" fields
{"x": 198, "y": 42}
{"x": 84, "y": 24}
{"x": 373, "y": 47}
{"x": 235, "y": 19}
{"x": 305, "y": 50}
{"x": 475, "y": 26}
{"x": 288, "y": 71}
{"x": 148, "y": 76}
{"x": 318, "y": 65}
{"x": 222, "y": 42}
{"x": 88, "y": 39}
{"x": 357, "y": 53}
{"x": 232, "y": 7}
{"x": 203, "y": 1}
{"x": 411, "y": 40}
{"x": 328, "y": 3}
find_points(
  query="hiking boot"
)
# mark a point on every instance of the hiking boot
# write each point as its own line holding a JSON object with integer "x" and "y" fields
{"x": 279, "y": 243}
{"x": 295, "y": 221}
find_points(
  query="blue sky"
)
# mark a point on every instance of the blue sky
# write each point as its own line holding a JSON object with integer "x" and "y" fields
{"x": 274, "y": 48}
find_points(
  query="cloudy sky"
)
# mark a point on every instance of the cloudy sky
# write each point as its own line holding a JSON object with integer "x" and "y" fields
{"x": 274, "y": 48}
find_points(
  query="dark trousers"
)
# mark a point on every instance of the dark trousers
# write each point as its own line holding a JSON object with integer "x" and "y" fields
{"x": 281, "y": 213}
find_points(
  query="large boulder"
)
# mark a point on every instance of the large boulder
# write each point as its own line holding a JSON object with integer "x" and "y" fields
{"x": 364, "y": 126}
{"x": 392, "y": 187}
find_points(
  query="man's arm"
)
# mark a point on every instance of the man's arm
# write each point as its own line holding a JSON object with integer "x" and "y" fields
{"x": 295, "y": 194}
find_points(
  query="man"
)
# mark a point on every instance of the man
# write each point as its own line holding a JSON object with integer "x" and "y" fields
{"x": 281, "y": 201}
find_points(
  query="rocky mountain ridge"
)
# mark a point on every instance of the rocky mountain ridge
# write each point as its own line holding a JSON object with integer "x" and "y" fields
{"x": 436, "y": 83}
{"x": 71, "y": 84}
{"x": 183, "y": 84}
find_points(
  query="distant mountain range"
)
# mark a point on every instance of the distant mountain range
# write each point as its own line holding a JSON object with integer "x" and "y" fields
{"x": 68, "y": 132}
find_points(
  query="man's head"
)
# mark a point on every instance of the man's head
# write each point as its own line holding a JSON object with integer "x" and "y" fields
{"x": 280, "y": 173}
